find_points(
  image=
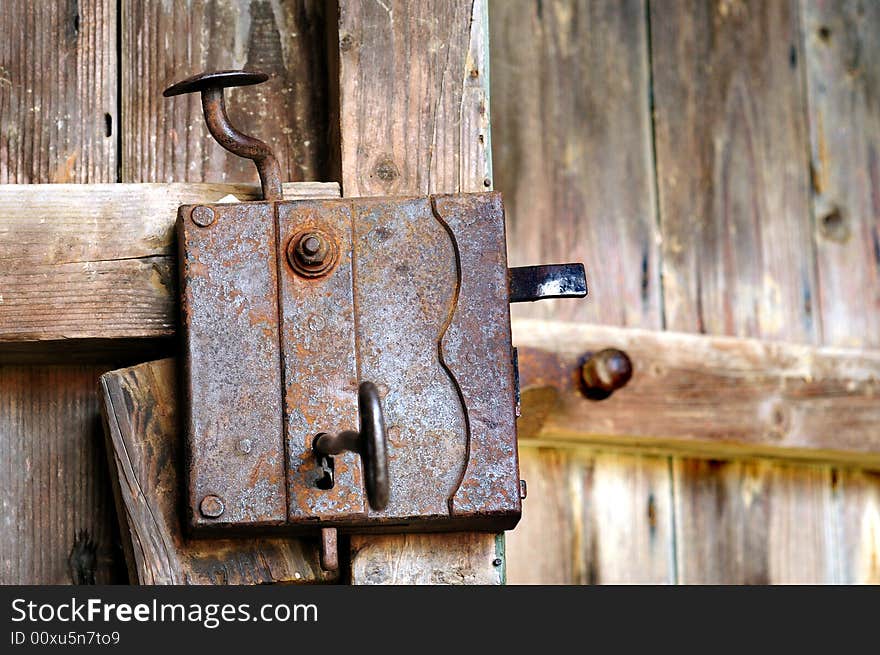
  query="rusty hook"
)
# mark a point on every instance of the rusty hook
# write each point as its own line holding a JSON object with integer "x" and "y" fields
{"x": 211, "y": 86}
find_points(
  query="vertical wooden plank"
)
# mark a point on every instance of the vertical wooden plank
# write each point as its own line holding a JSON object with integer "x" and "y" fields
{"x": 57, "y": 91}
{"x": 593, "y": 518}
{"x": 731, "y": 147}
{"x": 842, "y": 42}
{"x": 628, "y": 510}
{"x": 842, "y": 48}
{"x": 58, "y": 522}
{"x": 555, "y": 494}
{"x": 857, "y": 531}
{"x": 572, "y": 128}
{"x": 58, "y": 123}
{"x": 414, "y": 112}
{"x": 738, "y": 522}
{"x": 410, "y": 76}
{"x": 573, "y": 156}
{"x": 731, "y": 165}
{"x": 165, "y": 140}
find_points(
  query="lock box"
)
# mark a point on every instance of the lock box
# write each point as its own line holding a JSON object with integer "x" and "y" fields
{"x": 287, "y": 307}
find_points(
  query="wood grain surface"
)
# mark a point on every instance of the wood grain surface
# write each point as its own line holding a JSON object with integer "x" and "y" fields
{"x": 98, "y": 262}
{"x": 165, "y": 139}
{"x": 763, "y": 141}
{"x": 734, "y": 196}
{"x": 58, "y": 93}
{"x": 843, "y": 83}
{"x": 58, "y": 518}
{"x": 574, "y": 159}
{"x": 721, "y": 397}
{"x": 58, "y": 115}
{"x": 573, "y": 153}
{"x": 842, "y": 47}
{"x": 592, "y": 517}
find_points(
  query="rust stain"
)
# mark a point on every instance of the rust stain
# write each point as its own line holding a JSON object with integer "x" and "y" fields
{"x": 66, "y": 171}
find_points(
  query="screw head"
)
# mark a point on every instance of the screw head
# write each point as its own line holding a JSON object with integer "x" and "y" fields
{"x": 211, "y": 506}
{"x": 202, "y": 216}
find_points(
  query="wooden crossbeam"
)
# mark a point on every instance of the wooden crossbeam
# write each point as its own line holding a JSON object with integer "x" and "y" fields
{"x": 94, "y": 263}
{"x": 72, "y": 278}
{"x": 705, "y": 396}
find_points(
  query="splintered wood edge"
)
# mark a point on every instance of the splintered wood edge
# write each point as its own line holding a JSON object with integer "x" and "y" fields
{"x": 156, "y": 550}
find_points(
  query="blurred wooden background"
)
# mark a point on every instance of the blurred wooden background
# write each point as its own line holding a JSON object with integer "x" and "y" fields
{"x": 714, "y": 164}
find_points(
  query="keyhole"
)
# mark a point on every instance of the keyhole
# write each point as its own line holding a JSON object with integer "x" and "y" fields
{"x": 325, "y": 467}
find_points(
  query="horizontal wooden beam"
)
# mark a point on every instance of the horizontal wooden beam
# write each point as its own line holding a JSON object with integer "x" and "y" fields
{"x": 90, "y": 268}
{"x": 94, "y": 262}
{"x": 702, "y": 396}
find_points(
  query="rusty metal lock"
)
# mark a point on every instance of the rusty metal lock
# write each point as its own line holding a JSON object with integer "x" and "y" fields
{"x": 303, "y": 319}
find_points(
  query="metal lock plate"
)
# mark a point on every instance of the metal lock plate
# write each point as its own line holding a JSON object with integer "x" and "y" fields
{"x": 415, "y": 299}
{"x": 303, "y": 320}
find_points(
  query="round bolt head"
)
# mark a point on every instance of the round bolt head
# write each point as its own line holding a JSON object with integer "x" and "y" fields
{"x": 605, "y": 372}
{"x": 211, "y": 507}
{"x": 311, "y": 245}
{"x": 311, "y": 249}
{"x": 202, "y": 216}
{"x": 312, "y": 253}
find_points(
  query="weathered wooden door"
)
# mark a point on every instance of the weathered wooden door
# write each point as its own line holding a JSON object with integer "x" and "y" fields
{"x": 714, "y": 164}
{"x": 382, "y": 98}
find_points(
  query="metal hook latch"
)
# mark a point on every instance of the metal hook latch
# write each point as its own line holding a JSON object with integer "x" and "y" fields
{"x": 211, "y": 86}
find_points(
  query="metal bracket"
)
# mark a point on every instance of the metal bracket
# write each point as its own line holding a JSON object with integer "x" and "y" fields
{"x": 531, "y": 283}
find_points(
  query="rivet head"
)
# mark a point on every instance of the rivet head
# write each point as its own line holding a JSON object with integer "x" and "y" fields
{"x": 244, "y": 446}
{"x": 202, "y": 216}
{"x": 211, "y": 507}
{"x": 316, "y": 322}
{"x": 523, "y": 490}
{"x": 497, "y": 562}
